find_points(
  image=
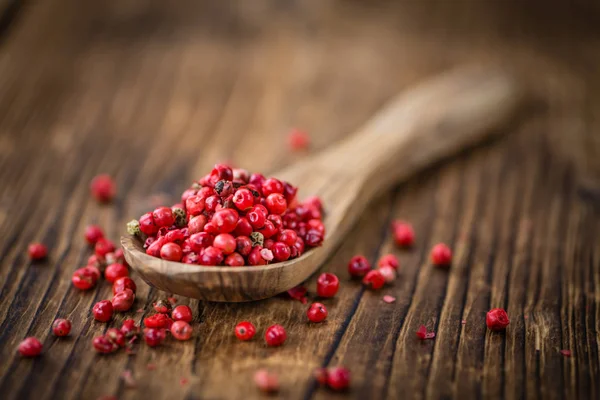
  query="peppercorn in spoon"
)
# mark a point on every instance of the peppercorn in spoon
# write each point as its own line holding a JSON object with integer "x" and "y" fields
{"x": 429, "y": 123}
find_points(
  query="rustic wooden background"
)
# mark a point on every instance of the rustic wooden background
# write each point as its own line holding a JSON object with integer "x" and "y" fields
{"x": 154, "y": 92}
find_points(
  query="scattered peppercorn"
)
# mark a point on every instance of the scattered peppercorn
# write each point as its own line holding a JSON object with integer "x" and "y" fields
{"x": 338, "y": 378}
{"x": 497, "y": 319}
{"x": 441, "y": 255}
{"x": 374, "y": 279}
{"x": 275, "y": 335}
{"x": 103, "y": 188}
{"x": 181, "y": 330}
{"x": 37, "y": 251}
{"x": 403, "y": 233}
{"x": 61, "y": 327}
{"x": 182, "y": 313}
{"x": 317, "y": 312}
{"x": 358, "y": 266}
{"x": 103, "y": 311}
{"x": 30, "y": 347}
{"x": 245, "y": 330}
{"x": 266, "y": 381}
{"x": 327, "y": 285}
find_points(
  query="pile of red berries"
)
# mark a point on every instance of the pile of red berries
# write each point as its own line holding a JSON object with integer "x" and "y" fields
{"x": 234, "y": 218}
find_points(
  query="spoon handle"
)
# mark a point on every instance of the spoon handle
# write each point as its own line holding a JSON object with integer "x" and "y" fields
{"x": 422, "y": 126}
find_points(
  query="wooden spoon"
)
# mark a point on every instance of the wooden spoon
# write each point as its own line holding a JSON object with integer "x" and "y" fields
{"x": 422, "y": 126}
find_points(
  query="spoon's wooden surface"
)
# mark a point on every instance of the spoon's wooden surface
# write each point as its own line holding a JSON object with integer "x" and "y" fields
{"x": 422, "y": 126}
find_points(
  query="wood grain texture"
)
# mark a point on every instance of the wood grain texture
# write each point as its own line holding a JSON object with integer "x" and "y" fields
{"x": 154, "y": 93}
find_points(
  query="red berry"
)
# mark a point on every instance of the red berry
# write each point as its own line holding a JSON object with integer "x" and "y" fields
{"x": 277, "y": 221}
{"x": 93, "y": 233}
{"x": 147, "y": 225}
{"x": 243, "y": 245}
{"x": 194, "y": 205}
{"x": 115, "y": 271}
{"x": 243, "y": 199}
{"x": 243, "y": 227}
{"x": 162, "y": 306}
{"x": 85, "y": 278}
{"x": 374, "y": 279}
{"x": 299, "y": 246}
{"x": 271, "y": 186}
{"x": 103, "y": 311}
{"x": 281, "y": 251}
{"x": 388, "y": 273}
{"x": 104, "y": 345}
{"x": 268, "y": 230}
{"x": 196, "y": 224}
{"x": 317, "y": 225}
{"x": 116, "y": 256}
{"x": 441, "y": 255}
{"x": 123, "y": 283}
{"x": 220, "y": 172}
{"x": 182, "y": 313}
{"x": 160, "y": 321}
{"x": 266, "y": 382}
{"x": 123, "y": 300}
{"x": 276, "y": 203}
{"x": 404, "y": 234}
{"x": 225, "y": 220}
{"x": 30, "y": 347}
{"x": 321, "y": 375}
{"x": 317, "y": 312}
{"x": 171, "y": 252}
{"x": 199, "y": 241}
{"x": 240, "y": 174}
{"x": 103, "y": 247}
{"x": 288, "y": 236}
{"x": 211, "y": 256}
{"x": 497, "y": 319}
{"x": 327, "y": 285}
{"x": 96, "y": 261}
{"x": 224, "y": 188}
{"x": 225, "y": 242}
{"x": 187, "y": 194}
{"x": 181, "y": 330}
{"x": 245, "y": 330}
{"x": 314, "y": 238}
{"x": 358, "y": 266}
{"x": 389, "y": 260}
{"x": 275, "y": 335}
{"x": 256, "y": 180}
{"x": 129, "y": 328}
{"x": 103, "y": 188}
{"x": 154, "y": 336}
{"x": 163, "y": 216}
{"x": 116, "y": 336}
{"x": 315, "y": 202}
{"x": 234, "y": 260}
{"x": 298, "y": 140}
{"x": 37, "y": 251}
{"x": 289, "y": 192}
{"x": 61, "y": 327}
{"x": 256, "y": 218}
{"x": 338, "y": 378}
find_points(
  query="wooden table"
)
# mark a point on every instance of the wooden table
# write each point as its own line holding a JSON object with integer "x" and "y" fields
{"x": 155, "y": 92}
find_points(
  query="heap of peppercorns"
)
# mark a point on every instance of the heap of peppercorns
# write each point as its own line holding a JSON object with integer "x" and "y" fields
{"x": 234, "y": 218}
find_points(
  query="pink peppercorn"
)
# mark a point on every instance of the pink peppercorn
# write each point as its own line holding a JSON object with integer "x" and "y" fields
{"x": 403, "y": 233}
{"x": 497, "y": 319}
{"x": 30, "y": 347}
{"x": 103, "y": 188}
{"x": 37, "y": 251}
{"x": 441, "y": 255}
{"x": 275, "y": 335}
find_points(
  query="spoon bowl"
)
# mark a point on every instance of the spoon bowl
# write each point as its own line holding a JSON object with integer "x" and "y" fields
{"x": 423, "y": 126}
